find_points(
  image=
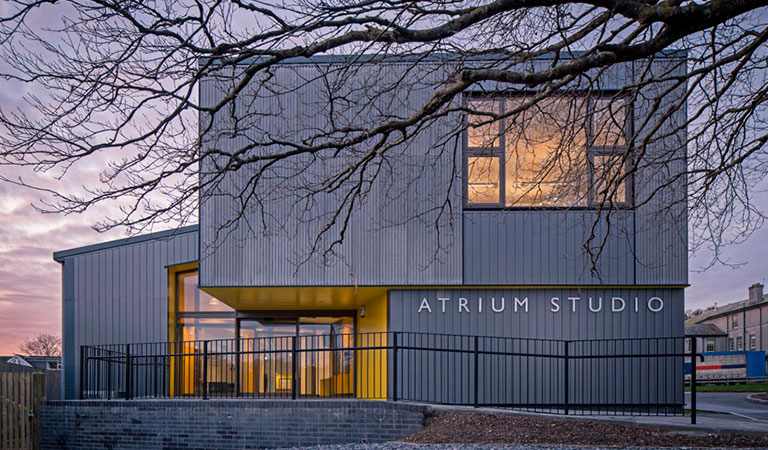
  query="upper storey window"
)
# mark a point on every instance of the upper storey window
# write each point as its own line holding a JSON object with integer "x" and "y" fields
{"x": 564, "y": 151}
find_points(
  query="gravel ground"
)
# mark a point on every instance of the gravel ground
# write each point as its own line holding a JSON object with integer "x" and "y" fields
{"x": 447, "y": 427}
{"x": 399, "y": 446}
{"x": 481, "y": 431}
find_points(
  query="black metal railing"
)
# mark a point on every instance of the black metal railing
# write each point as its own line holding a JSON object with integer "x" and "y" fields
{"x": 608, "y": 376}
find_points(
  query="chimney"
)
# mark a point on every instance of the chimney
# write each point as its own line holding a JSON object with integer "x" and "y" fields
{"x": 755, "y": 294}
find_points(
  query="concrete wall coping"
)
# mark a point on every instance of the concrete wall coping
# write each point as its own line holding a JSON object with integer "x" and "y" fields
{"x": 240, "y": 403}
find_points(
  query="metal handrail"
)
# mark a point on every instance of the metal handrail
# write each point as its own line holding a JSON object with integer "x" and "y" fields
{"x": 398, "y": 366}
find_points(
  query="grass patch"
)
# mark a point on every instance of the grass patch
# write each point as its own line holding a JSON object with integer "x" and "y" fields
{"x": 746, "y": 387}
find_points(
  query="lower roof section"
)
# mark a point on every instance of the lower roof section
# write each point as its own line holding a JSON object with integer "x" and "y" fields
{"x": 159, "y": 235}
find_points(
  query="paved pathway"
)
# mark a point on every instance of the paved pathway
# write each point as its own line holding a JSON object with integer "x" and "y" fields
{"x": 731, "y": 403}
{"x": 400, "y": 446}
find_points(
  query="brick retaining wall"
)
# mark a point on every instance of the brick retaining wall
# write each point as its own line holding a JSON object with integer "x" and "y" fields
{"x": 223, "y": 424}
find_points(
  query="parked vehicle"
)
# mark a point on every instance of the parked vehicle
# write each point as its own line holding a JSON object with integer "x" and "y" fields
{"x": 737, "y": 366}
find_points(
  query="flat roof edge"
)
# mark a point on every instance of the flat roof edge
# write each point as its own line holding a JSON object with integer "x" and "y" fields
{"x": 63, "y": 254}
{"x": 437, "y": 57}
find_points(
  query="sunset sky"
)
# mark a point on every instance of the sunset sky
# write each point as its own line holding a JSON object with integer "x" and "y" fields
{"x": 30, "y": 281}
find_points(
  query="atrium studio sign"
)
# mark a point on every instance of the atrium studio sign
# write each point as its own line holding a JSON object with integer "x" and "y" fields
{"x": 594, "y": 304}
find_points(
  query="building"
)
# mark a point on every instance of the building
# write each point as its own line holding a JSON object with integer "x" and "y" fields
{"x": 36, "y": 362}
{"x": 502, "y": 262}
{"x": 709, "y": 338}
{"x": 745, "y": 323}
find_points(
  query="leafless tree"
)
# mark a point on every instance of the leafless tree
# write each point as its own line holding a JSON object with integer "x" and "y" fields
{"x": 116, "y": 82}
{"x": 42, "y": 344}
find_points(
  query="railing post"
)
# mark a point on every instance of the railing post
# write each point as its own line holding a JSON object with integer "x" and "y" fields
{"x": 477, "y": 370}
{"x": 155, "y": 375}
{"x": 693, "y": 380}
{"x": 294, "y": 384}
{"x": 394, "y": 366}
{"x": 83, "y": 371}
{"x": 127, "y": 371}
{"x": 566, "y": 380}
{"x": 238, "y": 363}
{"x": 109, "y": 379}
{"x": 205, "y": 370}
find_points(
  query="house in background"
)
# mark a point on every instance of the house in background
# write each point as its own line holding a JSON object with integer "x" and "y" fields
{"x": 745, "y": 323}
{"x": 48, "y": 365}
{"x": 34, "y": 362}
{"x": 709, "y": 337}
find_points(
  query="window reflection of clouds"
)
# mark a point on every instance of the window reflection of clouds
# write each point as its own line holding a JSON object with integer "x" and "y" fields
{"x": 545, "y": 152}
{"x": 487, "y": 134}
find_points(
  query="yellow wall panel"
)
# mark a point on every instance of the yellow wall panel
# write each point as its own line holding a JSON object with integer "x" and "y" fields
{"x": 372, "y": 363}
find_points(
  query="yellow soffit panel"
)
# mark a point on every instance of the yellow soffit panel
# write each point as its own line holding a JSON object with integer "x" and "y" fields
{"x": 296, "y": 298}
{"x": 254, "y": 298}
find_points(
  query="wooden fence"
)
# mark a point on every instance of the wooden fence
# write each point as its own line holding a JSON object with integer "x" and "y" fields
{"x": 21, "y": 395}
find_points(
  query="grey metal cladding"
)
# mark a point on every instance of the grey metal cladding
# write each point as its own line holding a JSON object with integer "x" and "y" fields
{"x": 539, "y": 322}
{"x": 660, "y": 192}
{"x": 388, "y": 241}
{"x": 391, "y": 238}
{"x": 527, "y": 324}
{"x": 546, "y": 247}
{"x": 119, "y": 294}
{"x": 646, "y": 245}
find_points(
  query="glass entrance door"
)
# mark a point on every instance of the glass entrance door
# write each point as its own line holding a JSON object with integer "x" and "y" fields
{"x": 325, "y": 361}
{"x": 266, "y": 357}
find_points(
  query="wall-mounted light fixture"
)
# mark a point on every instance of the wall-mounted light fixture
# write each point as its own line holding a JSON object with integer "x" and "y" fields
{"x": 362, "y": 311}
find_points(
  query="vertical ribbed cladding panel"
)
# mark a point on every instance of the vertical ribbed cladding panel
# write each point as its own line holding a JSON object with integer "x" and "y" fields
{"x": 545, "y": 248}
{"x": 118, "y": 294}
{"x": 393, "y": 237}
{"x": 629, "y": 380}
{"x": 645, "y": 246}
{"x": 661, "y": 220}
{"x": 539, "y": 322}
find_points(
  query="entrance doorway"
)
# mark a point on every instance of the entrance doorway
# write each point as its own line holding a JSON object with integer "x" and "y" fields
{"x": 323, "y": 351}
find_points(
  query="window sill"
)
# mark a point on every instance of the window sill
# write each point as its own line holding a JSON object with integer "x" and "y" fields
{"x": 546, "y": 208}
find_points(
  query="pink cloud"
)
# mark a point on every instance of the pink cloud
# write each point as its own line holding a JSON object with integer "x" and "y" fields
{"x": 30, "y": 281}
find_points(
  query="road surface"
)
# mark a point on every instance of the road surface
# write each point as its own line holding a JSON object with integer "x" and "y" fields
{"x": 729, "y": 402}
